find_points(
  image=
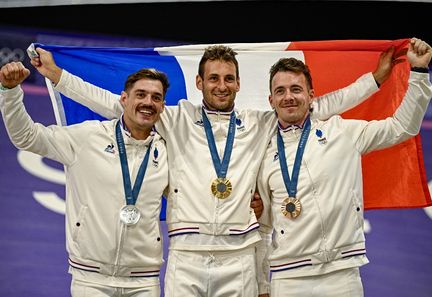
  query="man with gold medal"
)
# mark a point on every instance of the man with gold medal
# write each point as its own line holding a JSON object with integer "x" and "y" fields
{"x": 315, "y": 235}
{"x": 221, "y": 187}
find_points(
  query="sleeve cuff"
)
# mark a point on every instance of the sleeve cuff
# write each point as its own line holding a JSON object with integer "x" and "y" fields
{"x": 420, "y": 69}
{"x": 2, "y": 88}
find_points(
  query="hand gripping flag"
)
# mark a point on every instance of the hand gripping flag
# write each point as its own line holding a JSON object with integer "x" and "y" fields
{"x": 393, "y": 177}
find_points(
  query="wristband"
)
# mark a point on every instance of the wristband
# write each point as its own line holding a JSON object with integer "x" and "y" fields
{"x": 377, "y": 83}
{"x": 420, "y": 69}
{"x": 3, "y": 88}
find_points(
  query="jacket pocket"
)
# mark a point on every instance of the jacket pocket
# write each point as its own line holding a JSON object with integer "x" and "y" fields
{"x": 78, "y": 224}
{"x": 357, "y": 208}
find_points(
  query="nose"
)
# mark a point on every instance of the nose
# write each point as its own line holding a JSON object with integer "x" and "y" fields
{"x": 289, "y": 97}
{"x": 147, "y": 100}
{"x": 222, "y": 85}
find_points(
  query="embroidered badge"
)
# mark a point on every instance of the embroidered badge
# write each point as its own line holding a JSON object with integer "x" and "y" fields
{"x": 276, "y": 157}
{"x": 321, "y": 138}
{"x": 239, "y": 124}
{"x": 155, "y": 156}
{"x": 110, "y": 148}
{"x": 199, "y": 123}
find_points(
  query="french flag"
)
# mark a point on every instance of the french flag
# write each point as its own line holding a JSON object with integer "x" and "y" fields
{"x": 393, "y": 177}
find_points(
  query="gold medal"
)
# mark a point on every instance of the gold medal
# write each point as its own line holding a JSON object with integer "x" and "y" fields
{"x": 291, "y": 207}
{"x": 221, "y": 187}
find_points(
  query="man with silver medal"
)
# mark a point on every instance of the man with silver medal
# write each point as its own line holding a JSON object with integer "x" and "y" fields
{"x": 310, "y": 179}
{"x": 112, "y": 227}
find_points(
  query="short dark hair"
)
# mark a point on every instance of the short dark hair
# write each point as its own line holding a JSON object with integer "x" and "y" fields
{"x": 218, "y": 52}
{"x": 292, "y": 65}
{"x": 147, "y": 73}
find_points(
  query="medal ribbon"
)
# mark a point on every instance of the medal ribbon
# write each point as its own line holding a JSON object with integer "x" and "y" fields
{"x": 291, "y": 185}
{"x": 130, "y": 194}
{"x": 220, "y": 167}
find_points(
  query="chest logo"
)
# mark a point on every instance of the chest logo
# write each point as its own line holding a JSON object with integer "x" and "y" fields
{"x": 240, "y": 126}
{"x": 155, "y": 157}
{"x": 110, "y": 148}
{"x": 321, "y": 138}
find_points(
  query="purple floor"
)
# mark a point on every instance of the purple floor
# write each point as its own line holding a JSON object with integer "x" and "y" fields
{"x": 33, "y": 261}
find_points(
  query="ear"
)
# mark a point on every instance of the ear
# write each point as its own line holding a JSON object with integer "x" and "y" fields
{"x": 271, "y": 101}
{"x": 311, "y": 94}
{"x": 163, "y": 106}
{"x": 199, "y": 82}
{"x": 123, "y": 98}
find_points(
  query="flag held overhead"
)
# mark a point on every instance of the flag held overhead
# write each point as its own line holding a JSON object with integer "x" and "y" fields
{"x": 393, "y": 177}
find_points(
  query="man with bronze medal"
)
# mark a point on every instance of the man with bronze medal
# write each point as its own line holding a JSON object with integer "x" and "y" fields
{"x": 291, "y": 206}
{"x": 317, "y": 232}
{"x": 112, "y": 228}
{"x": 211, "y": 224}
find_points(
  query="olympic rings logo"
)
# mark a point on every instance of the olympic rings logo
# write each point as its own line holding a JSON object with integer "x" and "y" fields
{"x": 8, "y": 55}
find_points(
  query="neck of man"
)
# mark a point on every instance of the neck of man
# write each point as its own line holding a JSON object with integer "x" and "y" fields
{"x": 284, "y": 125}
{"x": 136, "y": 132}
{"x": 208, "y": 107}
{"x": 140, "y": 134}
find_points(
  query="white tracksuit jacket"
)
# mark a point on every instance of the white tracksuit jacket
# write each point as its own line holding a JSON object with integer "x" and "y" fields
{"x": 97, "y": 241}
{"x": 328, "y": 234}
{"x": 196, "y": 219}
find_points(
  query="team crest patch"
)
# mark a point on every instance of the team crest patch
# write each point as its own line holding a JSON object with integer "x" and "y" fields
{"x": 240, "y": 126}
{"x": 155, "y": 157}
{"x": 321, "y": 138}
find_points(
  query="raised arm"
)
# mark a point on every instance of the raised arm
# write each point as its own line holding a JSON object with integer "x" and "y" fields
{"x": 19, "y": 125}
{"x": 413, "y": 108}
{"x": 341, "y": 100}
{"x": 101, "y": 101}
{"x": 407, "y": 119}
{"x": 53, "y": 142}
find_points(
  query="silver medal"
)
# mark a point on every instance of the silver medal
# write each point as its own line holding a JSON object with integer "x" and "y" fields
{"x": 129, "y": 215}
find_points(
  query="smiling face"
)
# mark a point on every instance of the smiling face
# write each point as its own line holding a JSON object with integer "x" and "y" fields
{"x": 219, "y": 84}
{"x": 290, "y": 97}
{"x": 291, "y": 91}
{"x": 218, "y": 77}
{"x": 142, "y": 105}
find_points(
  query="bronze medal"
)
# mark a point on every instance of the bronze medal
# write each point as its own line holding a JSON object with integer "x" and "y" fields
{"x": 291, "y": 207}
{"x": 221, "y": 188}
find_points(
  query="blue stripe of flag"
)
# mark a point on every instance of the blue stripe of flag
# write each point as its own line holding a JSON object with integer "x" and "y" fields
{"x": 108, "y": 68}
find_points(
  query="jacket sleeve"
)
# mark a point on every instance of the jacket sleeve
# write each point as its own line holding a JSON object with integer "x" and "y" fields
{"x": 53, "y": 142}
{"x": 344, "y": 99}
{"x": 404, "y": 124}
{"x": 98, "y": 100}
{"x": 263, "y": 248}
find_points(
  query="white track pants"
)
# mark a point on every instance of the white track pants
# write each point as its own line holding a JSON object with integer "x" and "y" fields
{"x": 211, "y": 274}
{"x": 85, "y": 289}
{"x": 341, "y": 283}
